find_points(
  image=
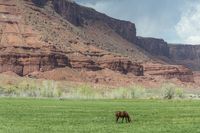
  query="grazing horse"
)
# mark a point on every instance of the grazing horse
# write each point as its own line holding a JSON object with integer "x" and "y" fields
{"x": 122, "y": 114}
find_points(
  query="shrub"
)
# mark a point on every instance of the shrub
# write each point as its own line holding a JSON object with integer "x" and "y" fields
{"x": 179, "y": 93}
{"x": 138, "y": 92}
{"x": 50, "y": 89}
{"x": 121, "y": 93}
{"x": 168, "y": 91}
{"x": 83, "y": 92}
{"x": 128, "y": 93}
{"x": 31, "y": 88}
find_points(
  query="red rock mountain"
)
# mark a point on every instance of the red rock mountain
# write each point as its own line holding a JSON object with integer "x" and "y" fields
{"x": 61, "y": 40}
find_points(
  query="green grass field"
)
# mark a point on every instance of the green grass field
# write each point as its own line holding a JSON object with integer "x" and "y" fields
{"x": 97, "y": 116}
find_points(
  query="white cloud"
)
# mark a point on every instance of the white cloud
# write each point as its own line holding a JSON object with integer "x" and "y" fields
{"x": 188, "y": 28}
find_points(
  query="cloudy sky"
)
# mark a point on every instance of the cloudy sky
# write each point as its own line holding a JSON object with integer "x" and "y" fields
{"x": 176, "y": 21}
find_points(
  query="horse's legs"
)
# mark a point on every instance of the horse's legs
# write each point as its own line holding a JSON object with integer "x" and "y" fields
{"x": 117, "y": 118}
{"x": 126, "y": 119}
{"x": 122, "y": 119}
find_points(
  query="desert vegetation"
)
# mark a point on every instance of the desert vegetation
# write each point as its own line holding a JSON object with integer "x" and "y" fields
{"x": 26, "y": 87}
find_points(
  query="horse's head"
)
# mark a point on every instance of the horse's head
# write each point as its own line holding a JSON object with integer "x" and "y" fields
{"x": 129, "y": 118}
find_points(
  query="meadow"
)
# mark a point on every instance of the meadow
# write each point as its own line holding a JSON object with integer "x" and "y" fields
{"x": 28, "y": 115}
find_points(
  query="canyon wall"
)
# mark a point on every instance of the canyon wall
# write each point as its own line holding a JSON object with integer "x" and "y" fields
{"x": 181, "y": 54}
{"x": 187, "y": 55}
{"x": 157, "y": 47}
{"x": 80, "y": 16}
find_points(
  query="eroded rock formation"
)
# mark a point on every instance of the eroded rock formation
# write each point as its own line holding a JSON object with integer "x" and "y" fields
{"x": 120, "y": 64}
{"x": 21, "y": 50}
{"x": 42, "y": 59}
{"x": 169, "y": 71}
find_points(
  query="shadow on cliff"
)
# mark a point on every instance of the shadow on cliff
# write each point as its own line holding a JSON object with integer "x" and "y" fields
{"x": 40, "y": 3}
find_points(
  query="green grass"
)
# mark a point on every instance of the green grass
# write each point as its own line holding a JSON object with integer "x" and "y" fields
{"x": 97, "y": 116}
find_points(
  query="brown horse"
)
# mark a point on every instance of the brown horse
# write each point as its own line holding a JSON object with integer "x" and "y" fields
{"x": 122, "y": 114}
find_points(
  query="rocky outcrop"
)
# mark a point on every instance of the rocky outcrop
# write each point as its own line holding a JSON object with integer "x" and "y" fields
{"x": 80, "y": 16}
{"x": 29, "y": 60}
{"x": 156, "y": 47}
{"x": 93, "y": 62}
{"x": 187, "y": 55}
{"x": 83, "y": 62}
{"x": 169, "y": 71}
{"x": 122, "y": 65}
{"x": 42, "y": 59}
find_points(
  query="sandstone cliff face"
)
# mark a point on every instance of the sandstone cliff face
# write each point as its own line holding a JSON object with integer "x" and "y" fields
{"x": 42, "y": 59}
{"x": 157, "y": 47}
{"x": 30, "y": 59}
{"x": 21, "y": 50}
{"x": 122, "y": 65}
{"x": 187, "y": 55}
{"x": 169, "y": 71}
{"x": 80, "y": 16}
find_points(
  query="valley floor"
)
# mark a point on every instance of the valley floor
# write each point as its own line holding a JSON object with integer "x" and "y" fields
{"x": 97, "y": 116}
